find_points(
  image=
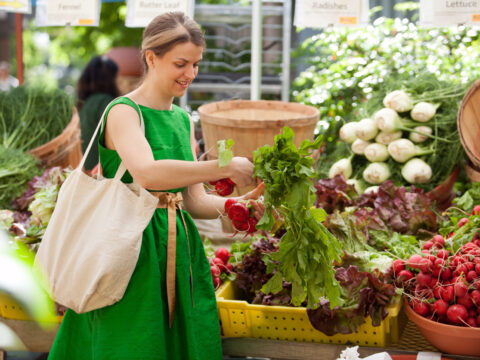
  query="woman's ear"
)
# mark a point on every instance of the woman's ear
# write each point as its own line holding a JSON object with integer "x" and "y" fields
{"x": 150, "y": 58}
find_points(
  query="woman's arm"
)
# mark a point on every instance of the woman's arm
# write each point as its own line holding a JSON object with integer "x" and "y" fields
{"x": 124, "y": 135}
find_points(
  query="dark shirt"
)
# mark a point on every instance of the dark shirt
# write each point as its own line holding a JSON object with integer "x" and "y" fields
{"x": 90, "y": 114}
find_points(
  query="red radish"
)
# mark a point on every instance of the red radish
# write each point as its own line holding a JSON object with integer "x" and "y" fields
{"x": 420, "y": 308}
{"x": 224, "y": 187}
{"x": 476, "y": 210}
{"x": 215, "y": 271}
{"x": 457, "y": 314}
{"x": 471, "y": 322}
{"x": 427, "y": 245}
{"x": 240, "y": 225}
{"x": 228, "y": 203}
{"x": 423, "y": 279}
{"x": 229, "y": 267}
{"x": 222, "y": 254}
{"x": 212, "y": 182}
{"x": 472, "y": 312}
{"x": 219, "y": 262}
{"x": 414, "y": 261}
{"x": 438, "y": 240}
{"x": 446, "y": 274}
{"x": 460, "y": 289}
{"x": 465, "y": 301}
{"x": 437, "y": 292}
{"x": 398, "y": 265}
{"x": 441, "y": 307}
{"x": 475, "y": 296}
{"x": 425, "y": 265}
{"x": 216, "y": 282}
{"x": 404, "y": 275}
{"x": 252, "y": 225}
{"x": 442, "y": 254}
{"x": 447, "y": 293}
{"x": 462, "y": 222}
{"x": 238, "y": 212}
{"x": 471, "y": 275}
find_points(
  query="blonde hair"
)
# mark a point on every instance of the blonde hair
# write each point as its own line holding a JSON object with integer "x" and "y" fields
{"x": 168, "y": 30}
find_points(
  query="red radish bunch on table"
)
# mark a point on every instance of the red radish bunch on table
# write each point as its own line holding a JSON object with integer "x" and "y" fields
{"x": 223, "y": 187}
{"x": 241, "y": 214}
{"x": 219, "y": 265}
{"x": 441, "y": 285}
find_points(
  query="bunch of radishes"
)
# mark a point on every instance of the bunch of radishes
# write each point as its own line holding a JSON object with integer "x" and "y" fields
{"x": 223, "y": 187}
{"x": 219, "y": 265}
{"x": 441, "y": 285}
{"x": 241, "y": 213}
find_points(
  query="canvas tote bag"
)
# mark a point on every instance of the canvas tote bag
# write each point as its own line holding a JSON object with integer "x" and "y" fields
{"x": 92, "y": 242}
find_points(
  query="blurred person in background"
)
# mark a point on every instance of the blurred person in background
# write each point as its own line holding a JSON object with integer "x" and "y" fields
{"x": 95, "y": 89}
{"x": 7, "y": 81}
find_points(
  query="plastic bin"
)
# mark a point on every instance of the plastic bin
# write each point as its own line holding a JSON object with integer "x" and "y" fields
{"x": 241, "y": 319}
{"x": 10, "y": 309}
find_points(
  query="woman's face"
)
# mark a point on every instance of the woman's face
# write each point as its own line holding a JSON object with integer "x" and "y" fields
{"x": 176, "y": 69}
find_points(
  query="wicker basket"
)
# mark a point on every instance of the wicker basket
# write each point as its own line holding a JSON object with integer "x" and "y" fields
{"x": 468, "y": 123}
{"x": 252, "y": 124}
{"x": 64, "y": 150}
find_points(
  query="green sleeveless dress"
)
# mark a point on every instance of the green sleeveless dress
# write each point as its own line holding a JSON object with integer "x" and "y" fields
{"x": 136, "y": 328}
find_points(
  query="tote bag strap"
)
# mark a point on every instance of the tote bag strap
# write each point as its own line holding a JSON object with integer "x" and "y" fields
{"x": 121, "y": 168}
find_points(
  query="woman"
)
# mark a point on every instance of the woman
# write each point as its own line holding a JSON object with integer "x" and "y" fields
{"x": 147, "y": 323}
{"x": 95, "y": 89}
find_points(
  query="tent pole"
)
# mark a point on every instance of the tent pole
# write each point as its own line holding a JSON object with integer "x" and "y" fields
{"x": 19, "y": 47}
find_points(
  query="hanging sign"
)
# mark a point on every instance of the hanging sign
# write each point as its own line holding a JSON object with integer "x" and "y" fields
{"x": 449, "y": 12}
{"x": 16, "y": 6}
{"x": 67, "y": 12}
{"x": 141, "y": 12}
{"x": 321, "y": 13}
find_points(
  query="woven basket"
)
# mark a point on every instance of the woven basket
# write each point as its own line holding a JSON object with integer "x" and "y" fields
{"x": 252, "y": 124}
{"x": 64, "y": 150}
{"x": 468, "y": 123}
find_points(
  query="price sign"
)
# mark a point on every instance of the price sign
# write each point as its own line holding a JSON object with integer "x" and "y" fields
{"x": 141, "y": 12}
{"x": 321, "y": 13}
{"x": 16, "y": 6}
{"x": 449, "y": 12}
{"x": 68, "y": 12}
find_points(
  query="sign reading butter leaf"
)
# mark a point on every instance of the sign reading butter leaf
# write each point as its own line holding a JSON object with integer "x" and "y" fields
{"x": 71, "y": 12}
{"x": 449, "y": 12}
{"x": 16, "y": 6}
{"x": 321, "y": 13}
{"x": 141, "y": 12}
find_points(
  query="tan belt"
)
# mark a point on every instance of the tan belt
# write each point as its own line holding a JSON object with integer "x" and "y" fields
{"x": 172, "y": 201}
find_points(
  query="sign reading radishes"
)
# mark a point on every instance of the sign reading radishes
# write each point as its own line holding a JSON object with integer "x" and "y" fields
{"x": 69, "y": 12}
{"x": 321, "y": 13}
{"x": 449, "y": 12}
{"x": 141, "y": 12}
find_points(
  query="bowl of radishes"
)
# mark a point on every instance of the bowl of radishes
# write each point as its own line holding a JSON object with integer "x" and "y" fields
{"x": 442, "y": 294}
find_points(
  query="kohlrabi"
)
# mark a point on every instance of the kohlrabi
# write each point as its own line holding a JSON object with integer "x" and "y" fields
{"x": 366, "y": 129}
{"x": 341, "y": 167}
{"x": 376, "y": 152}
{"x": 416, "y": 171}
{"x": 398, "y": 100}
{"x": 376, "y": 173}
{"x": 386, "y": 138}
{"x": 359, "y": 145}
{"x": 347, "y": 132}
{"x": 402, "y": 150}
{"x": 420, "y": 134}
{"x": 424, "y": 111}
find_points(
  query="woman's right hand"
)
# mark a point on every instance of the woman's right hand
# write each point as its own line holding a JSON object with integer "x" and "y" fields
{"x": 241, "y": 171}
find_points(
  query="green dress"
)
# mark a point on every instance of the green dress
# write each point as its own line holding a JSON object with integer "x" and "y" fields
{"x": 137, "y": 326}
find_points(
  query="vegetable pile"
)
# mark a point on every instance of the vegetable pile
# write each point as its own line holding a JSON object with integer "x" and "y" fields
{"x": 406, "y": 129}
{"x": 241, "y": 213}
{"x": 443, "y": 282}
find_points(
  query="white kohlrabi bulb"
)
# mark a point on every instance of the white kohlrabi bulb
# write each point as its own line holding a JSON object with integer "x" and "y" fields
{"x": 376, "y": 152}
{"x": 401, "y": 150}
{"x": 356, "y": 185}
{"x": 418, "y": 138}
{"x": 398, "y": 100}
{"x": 386, "y": 138}
{"x": 366, "y": 129}
{"x": 417, "y": 171}
{"x": 347, "y": 132}
{"x": 386, "y": 119}
{"x": 376, "y": 173}
{"x": 359, "y": 145}
{"x": 423, "y": 111}
{"x": 341, "y": 167}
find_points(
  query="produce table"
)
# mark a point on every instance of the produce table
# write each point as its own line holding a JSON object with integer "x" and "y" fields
{"x": 411, "y": 341}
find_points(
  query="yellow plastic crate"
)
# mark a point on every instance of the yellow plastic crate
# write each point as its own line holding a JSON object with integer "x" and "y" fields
{"x": 10, "y": 309}
{"x": 241, "y": 319}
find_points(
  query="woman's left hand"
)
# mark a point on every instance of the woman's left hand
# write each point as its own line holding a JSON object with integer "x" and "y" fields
{"x": 258, "y": 207}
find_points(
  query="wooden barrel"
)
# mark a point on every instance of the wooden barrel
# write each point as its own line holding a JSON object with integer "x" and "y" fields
{"x": 64, "y": 150}
{"x": 468, "y": 123}
{"x": 472, "y": 172}
{"x": 252, "y": 124}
